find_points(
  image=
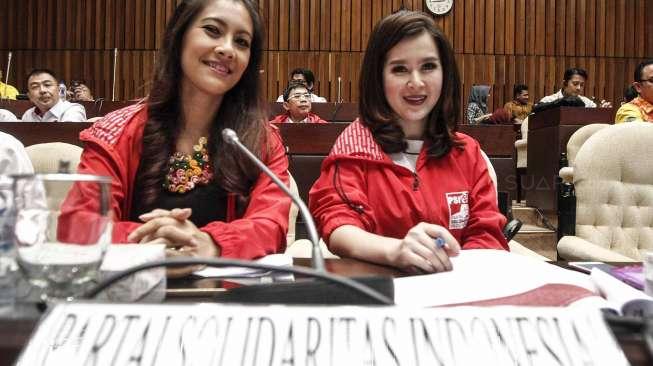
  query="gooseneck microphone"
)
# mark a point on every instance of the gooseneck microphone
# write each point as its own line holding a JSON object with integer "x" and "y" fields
{"x": 317, "y": 261}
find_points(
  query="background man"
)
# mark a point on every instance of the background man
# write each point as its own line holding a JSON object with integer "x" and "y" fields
{"x": 297, "y": 104}
{"x": 519, "y": 107}
{"x": 640, "y": 108}
{"x": 573, "y": 84}
{"x": 307, "y": 76}
{"x": 80, "y": 92}
{"x": 43, "y": 91}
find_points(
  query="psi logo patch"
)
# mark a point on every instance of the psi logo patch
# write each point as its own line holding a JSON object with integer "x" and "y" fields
{"x": 458, "y": 203}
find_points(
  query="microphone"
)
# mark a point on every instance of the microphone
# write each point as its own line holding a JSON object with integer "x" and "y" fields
{"x": 317, "y": 261}
{"x": 7, "y": 73}
{"x": 339, "y": 97}
{"x": 113, "y": 76}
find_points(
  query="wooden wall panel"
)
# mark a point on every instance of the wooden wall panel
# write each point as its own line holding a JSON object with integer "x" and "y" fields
{"x": 497, "y": 42}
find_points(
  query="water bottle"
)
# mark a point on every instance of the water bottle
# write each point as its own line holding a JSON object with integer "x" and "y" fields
{"x": 62, "y": 89}
{"x": 8, "y": 274}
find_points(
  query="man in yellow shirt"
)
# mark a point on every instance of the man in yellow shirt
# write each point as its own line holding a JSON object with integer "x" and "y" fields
{"x": 7, "y": 91}
{"x": 640, "y": 108}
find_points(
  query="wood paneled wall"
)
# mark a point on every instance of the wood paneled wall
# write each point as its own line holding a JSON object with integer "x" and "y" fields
{"x": 497, "y": 42}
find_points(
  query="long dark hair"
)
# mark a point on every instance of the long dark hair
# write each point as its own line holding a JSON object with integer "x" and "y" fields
{"x": 373, "y": 106}
{"x": 241, "y": 110}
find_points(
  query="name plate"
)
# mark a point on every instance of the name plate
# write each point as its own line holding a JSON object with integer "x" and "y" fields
{"x": 215, "y": 334}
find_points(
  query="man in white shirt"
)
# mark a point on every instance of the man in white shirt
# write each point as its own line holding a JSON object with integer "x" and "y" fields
{"x": 7, "y": 116}
{"x": 308, "y": 78}
{"x": 43, "y": 91}
{"x": 573, "y": 84}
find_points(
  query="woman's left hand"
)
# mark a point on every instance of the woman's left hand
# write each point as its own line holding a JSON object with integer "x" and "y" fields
{"x": 181, "y": 237}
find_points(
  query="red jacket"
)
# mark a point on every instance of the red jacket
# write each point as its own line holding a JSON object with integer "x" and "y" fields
{"x": 381, "y": 197}
{"x": 113, "y": 148}
{"x": 312, "y": 118}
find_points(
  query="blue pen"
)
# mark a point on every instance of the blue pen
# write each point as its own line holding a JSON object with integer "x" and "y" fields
{"x": 439, "y": 242}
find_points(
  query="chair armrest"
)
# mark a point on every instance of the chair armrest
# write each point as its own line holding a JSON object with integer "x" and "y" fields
{"x": 567, "y": 174}
{"x": 578, "y": 249}
{"x": 521, "y": 143}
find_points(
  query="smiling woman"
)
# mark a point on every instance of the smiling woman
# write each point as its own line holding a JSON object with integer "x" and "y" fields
{"x": 401, "y": 187}
{"x": 174, "y": 180}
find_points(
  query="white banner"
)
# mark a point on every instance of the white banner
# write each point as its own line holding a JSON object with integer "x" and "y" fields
{"x": 215, "y": 334}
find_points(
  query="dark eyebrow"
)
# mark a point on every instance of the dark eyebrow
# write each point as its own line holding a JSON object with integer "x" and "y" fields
{"x": 221, "y": 22}
{"x": 402, "y": 61}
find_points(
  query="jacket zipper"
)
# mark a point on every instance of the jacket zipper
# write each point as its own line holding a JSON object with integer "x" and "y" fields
{"x": 415, "y": 182}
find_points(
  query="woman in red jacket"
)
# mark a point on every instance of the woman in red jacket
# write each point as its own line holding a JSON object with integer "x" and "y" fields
{"x": 401, "y": 187}
{"x": 174, "y": 180}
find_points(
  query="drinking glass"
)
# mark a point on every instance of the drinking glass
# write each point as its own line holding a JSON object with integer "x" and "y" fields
{"x": 62, "y": 230}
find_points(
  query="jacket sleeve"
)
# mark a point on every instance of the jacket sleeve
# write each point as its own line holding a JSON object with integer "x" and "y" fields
{"x": 485, "y": 227}
{"x": 83, "y": 200}
{"x": 262, "y": 229}
{"x": 344, "y": 203}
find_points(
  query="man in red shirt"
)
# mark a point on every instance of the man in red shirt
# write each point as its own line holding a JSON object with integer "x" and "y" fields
{"x": 297, "y": 105}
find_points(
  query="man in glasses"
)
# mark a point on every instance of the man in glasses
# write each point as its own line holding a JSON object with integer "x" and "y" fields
{"x": 640, "y": 108}
{"x": 43, "y": 92}
{"x": 297, "y": 105}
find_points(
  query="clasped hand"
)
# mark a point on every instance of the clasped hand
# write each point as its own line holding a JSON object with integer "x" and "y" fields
{"x": 181, "y": 237}
{"x": 418, "y": 251}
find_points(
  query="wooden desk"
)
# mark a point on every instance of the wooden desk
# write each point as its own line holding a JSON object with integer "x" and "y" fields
{"x": 548, "y": 133}
{"x": 93, "y": 109}
{"x": 30, "y": 133}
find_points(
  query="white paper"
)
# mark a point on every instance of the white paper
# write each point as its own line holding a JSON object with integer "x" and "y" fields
{"x": 483, "y": 274}
{"x": 120, "y": 257}
{"x": 280, "y": 260}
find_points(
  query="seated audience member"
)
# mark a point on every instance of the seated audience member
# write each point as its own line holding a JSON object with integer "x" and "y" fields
{"x": 477, "y": 104}
{"x": 297, "y": 103}
{"x": 80, "y": 92}
{"x": 7, "y": 91}
{"x": 175, "y": 181}
{"x": 307, "y": 76}
{"x": 43, "y": 92}
{"x": 7, "y": 116}
{"x": 400, "y": 186}
{"x": 573, "y": 84}
{"x": 641, "y": 107}
{"x": 519, "y": 107}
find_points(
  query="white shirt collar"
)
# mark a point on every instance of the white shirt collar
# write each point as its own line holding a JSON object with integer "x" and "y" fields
{"x": 58, "y": 109}
{"x": 289, "y": 120}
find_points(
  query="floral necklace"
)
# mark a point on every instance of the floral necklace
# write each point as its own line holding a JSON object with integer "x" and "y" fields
{"x": 187, "y": 172}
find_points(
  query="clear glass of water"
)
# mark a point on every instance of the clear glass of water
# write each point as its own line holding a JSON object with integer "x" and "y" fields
{"x": 61, "y": 231}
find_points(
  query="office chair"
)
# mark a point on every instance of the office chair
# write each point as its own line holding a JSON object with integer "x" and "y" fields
{"x": 613, "y": 184}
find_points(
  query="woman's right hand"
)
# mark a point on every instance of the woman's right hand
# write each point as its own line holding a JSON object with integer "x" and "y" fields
{"x": 418, "y": 251}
